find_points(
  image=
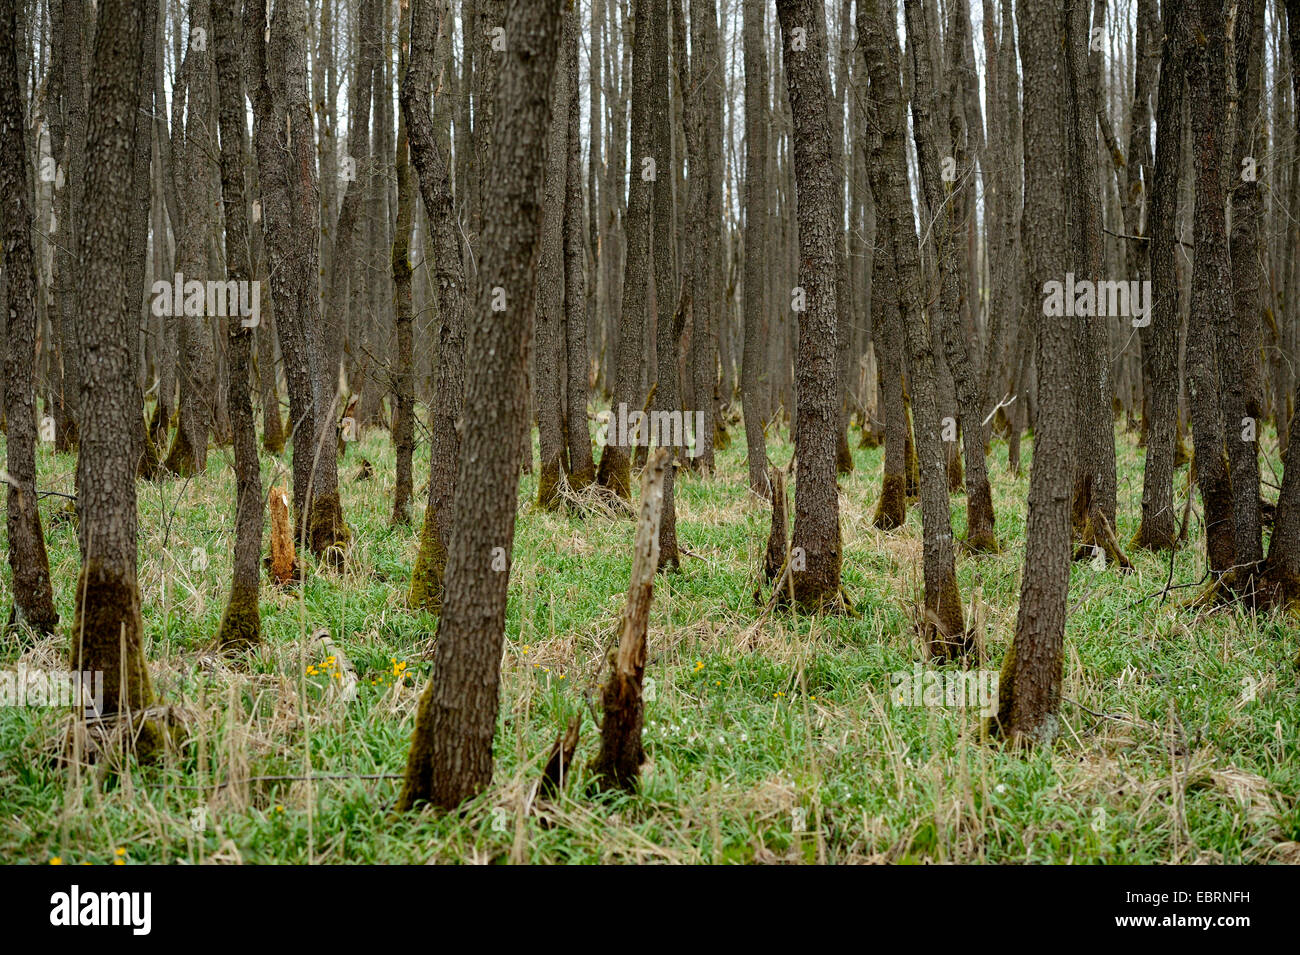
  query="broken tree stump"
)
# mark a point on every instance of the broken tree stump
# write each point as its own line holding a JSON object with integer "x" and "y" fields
{"x": 621, "y": 754}
{"x": 284, "y": 567}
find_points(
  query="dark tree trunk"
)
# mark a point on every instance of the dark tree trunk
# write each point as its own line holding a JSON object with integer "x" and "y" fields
{"x": 1239, "y": 339}
{"x": 403, "y": 319}
{"x": 1030, "y": 685}
{"x": 241, "y": 624}
{"x": 33, "y": 604}
{"x": 669, "y": 318}
{"x": 943, "y": 626}
{"x": 582, "y": 469}
{"x": 431, "y": 165}
{"x": 108, "y": 633}
{"x": 1159, "y": 337}
{"x": 195, "y": 169}
{"x": 1282, "y": 569}
{"x": 754, "y": 372}
{"x": 290, "y": 210}
{"x": 615, "y": 462}
{"x": 551, "y": 346}
{"x": 946, "y": 320}
{"x": 816, "y": 501}
{"x": 1211, "y": 281}
{"x": 451, "y": 751}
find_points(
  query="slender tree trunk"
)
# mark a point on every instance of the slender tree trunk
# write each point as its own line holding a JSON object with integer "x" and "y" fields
{"x": 431, "y": 165}
{"x": 451, "y": 751}
{"x": 1211, "y": 281}
{"x": 33, "y": 594}
{"x": 615, "y": 461}
{"x": 1030, "y": 685}
{"x": 107, "y": 635}
{"x": 754, "y": 376}
{"x": 290, "y": 210}
{"x": 582, "y": 469}
{"x": 943, "y": 626}
{"x": 816, "y": 543}
{"x": 241, "y": 624}
{"x": 945, "y": 320}
{"x": 403, "y": 319}
{"x": 1159, "y": 338}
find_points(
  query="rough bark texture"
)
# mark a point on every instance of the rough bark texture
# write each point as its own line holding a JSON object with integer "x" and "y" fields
{"x": 241, "y": 624}
{"x": 290, "y": 210}
{"x": 1282, "y": 569}
{"x": 582, "y": 468}
{"x": 816, "y": 499}
{"x": 195, "y": 167}
{"x": 551, "y": 345}
{"x": 1030, "y": 685}
{"x": 403, "y": 320}
{"x": 451, "y": 751}
{"x": 669, "y": 318}
{"x": 754, "y": 375}
{"x": 1211, "y": 279}
{"x": 33, "y": 595}
{"x": 108, "y": 633}
{"x": 430, "y": 163}
{"x": 945, "y": 320}
{"x": 615, "y": 462}
{"x": 1159, "y": 338}
{"x": 942, "y": 626}
{"x": 618, "y": 764}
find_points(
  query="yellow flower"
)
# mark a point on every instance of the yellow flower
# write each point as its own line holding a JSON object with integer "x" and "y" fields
{"x": 119, "y": 862}
{"x": 279, "y": 809}
{"x": 119, "y": 851}
{"x": 57, "y": 860}
{"x": 717, "y": 683}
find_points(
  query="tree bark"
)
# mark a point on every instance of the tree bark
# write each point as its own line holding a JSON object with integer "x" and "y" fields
{"x": 451, "y": 751}
{"x": 33, "y": 594}
{"x": 816, "y": 519}
{"x": 241, "y": 624}
{"x": 107, "y": 635}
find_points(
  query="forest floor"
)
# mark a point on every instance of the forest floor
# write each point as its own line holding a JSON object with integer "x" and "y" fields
{"x": 769, "y": 738}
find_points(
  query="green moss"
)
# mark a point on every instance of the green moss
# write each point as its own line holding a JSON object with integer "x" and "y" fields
{"x": 328, "y": 534}
{"x": 891, "y": 509}
{"x": 430, "y": 566}
{"x": 241, "y": 624}
{"x": 548, "y": 486}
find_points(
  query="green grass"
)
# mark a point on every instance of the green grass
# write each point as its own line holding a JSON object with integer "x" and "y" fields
{"x": 771, "y": 738}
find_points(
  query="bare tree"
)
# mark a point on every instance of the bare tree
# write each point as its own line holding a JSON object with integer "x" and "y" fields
{"x": 451, "y": 751}
{"x": 33, "y": 594}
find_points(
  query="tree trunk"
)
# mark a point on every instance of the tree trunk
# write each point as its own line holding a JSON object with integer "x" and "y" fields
{"x": 980, "y": 534}
{"x": 33, "y": 594}
{"x": 816, "y": 543}
{"x": 241, "y": 624}
{"x": 1030, "y": 686}
{"x": 754, "y": 372}
{"x": 108, "y": 633}
{"x": 615, "y": 462}
{"x": 1159, "y": 338}
{"x": 943, "y": 626}
{"x": 431, "y": 165}
{"x": 290, "y": 209}
{"x": 451, "y": 751}
{"x": 1211, "y": 281}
